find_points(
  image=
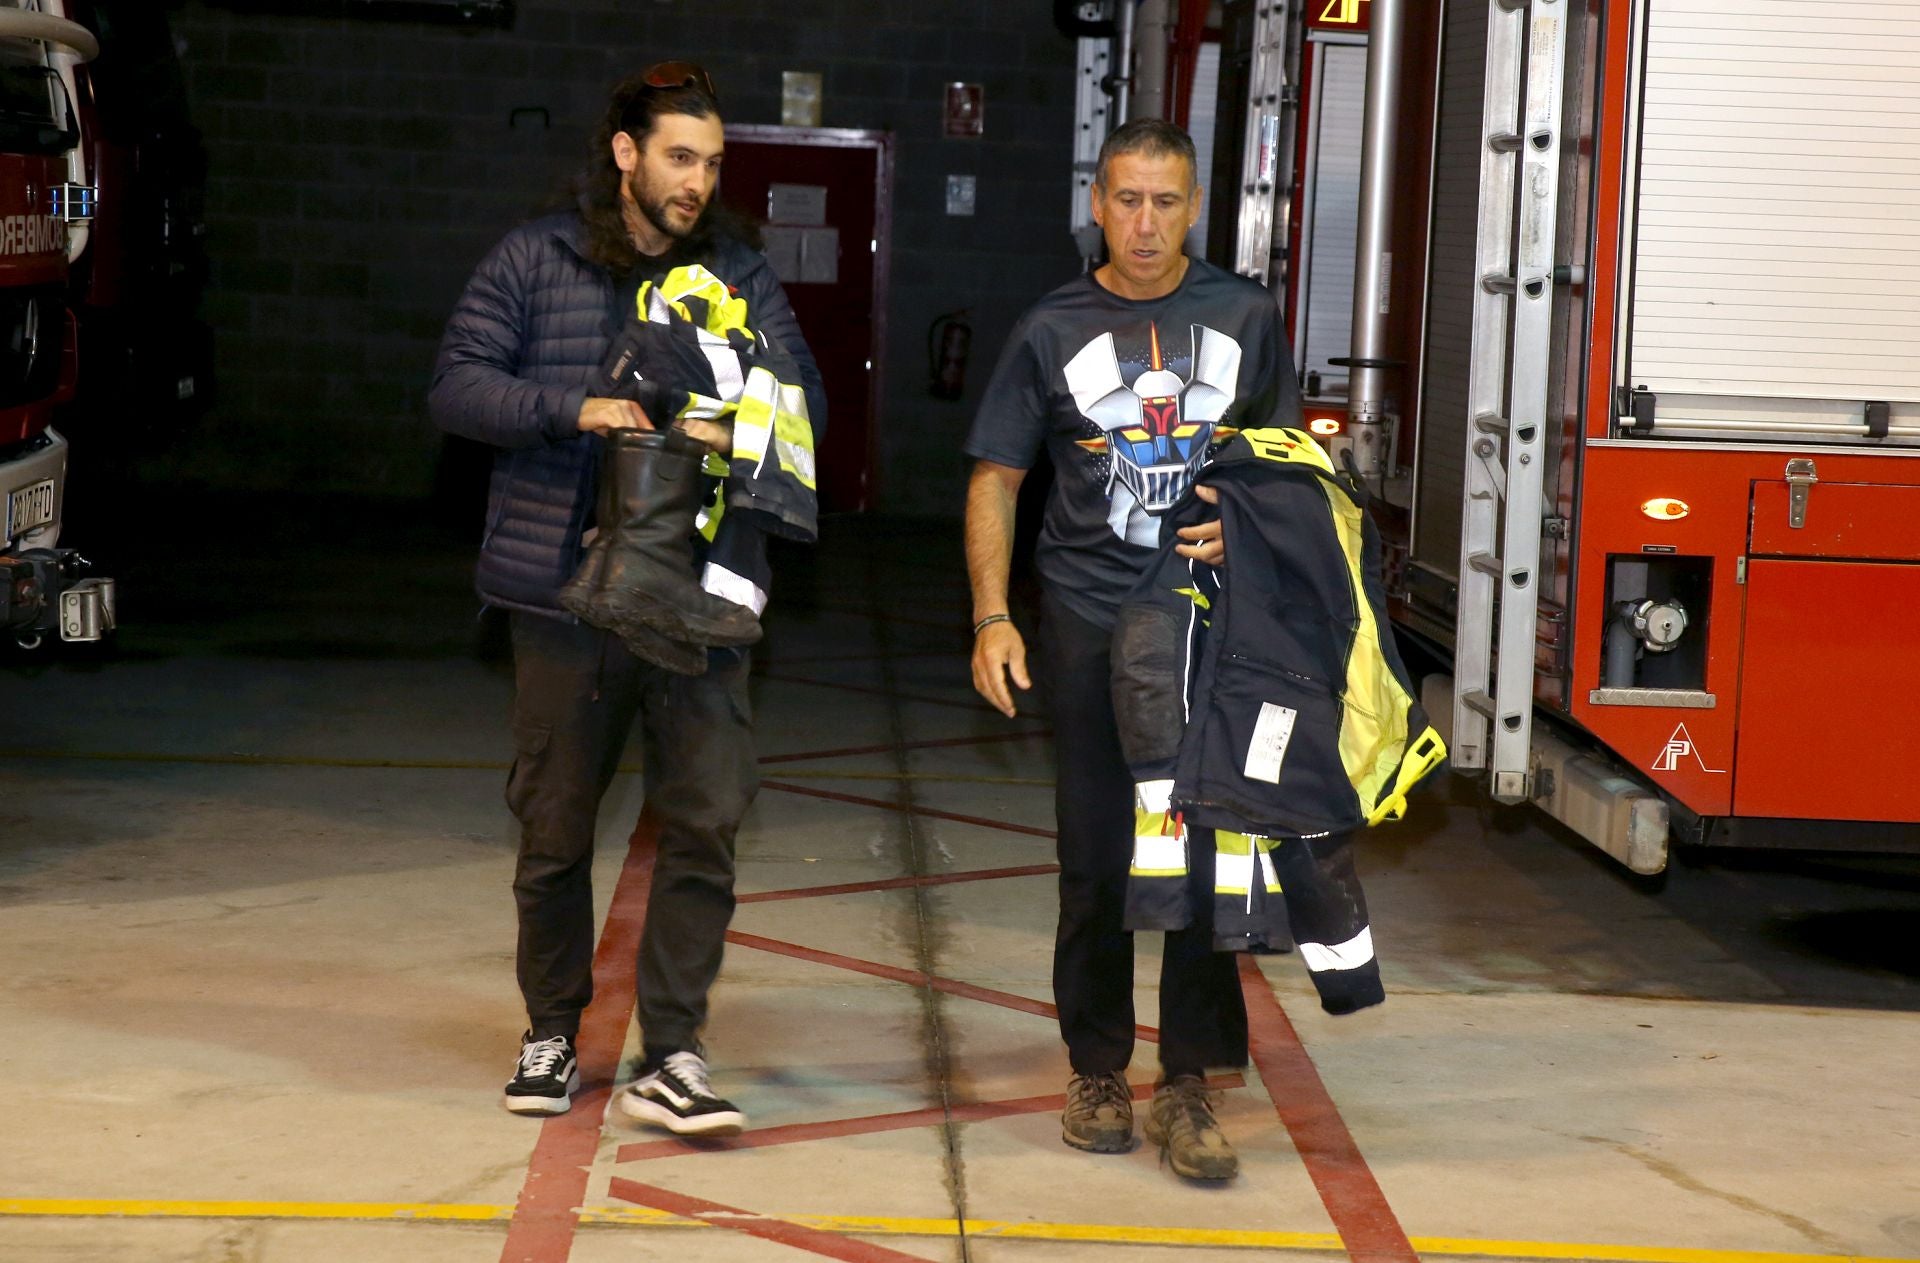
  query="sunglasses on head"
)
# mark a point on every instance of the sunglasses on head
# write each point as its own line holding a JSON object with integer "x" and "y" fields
{"x": 679, "y": 74}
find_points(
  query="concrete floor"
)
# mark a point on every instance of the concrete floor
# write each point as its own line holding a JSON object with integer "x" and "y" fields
{"x": 258, "y": 995}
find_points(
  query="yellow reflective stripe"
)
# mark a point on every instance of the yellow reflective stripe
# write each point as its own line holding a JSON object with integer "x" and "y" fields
{"x": 709, "y": 520}
{"x": 1225, "y": 843}
{"x": 1426, "y": 753}
{"x": 753, "y": 423}
{"x": 715, "y": 465}
{"x": 1266, "y": 871}
{"x": 1195, "y": 595}
{"x": 1373, "y": 719}
{"x": 724, "y": 310}
{"x": 1287, "y": 446}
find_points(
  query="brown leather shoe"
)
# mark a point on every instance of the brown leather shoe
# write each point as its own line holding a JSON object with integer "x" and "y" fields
{"x": 1099, "y": 1113}
{"x": 1181, "y": 1122}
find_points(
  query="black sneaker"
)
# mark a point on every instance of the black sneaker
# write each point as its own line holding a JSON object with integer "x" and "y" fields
{"x": 544, "y": 1081}
{"x": 674, "y": 1094}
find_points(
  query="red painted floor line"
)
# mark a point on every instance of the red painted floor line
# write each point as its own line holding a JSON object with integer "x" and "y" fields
{"x": 912, "y": 977}
{"x": 891, "y": 694}
{"x": 897, "y": 883}
{"x": 833, "y": 1129}
{"x": 547, "y": 1213}
{"x": 934, "y": 813}
{"x": 891, "y": 746}
{"x": 1366, "y": 1223}
{"x": 779, "y": 1231}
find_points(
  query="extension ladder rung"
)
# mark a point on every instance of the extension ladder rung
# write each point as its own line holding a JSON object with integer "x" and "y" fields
{"x": 1503, "y": 491}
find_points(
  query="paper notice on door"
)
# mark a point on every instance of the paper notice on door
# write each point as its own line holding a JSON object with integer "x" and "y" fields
{"x": 783, "y": 251}
{"x": 820, "y": 256}
{"x": 1268, "y": 750}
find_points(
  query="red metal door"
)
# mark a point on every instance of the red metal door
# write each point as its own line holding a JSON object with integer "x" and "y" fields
{"x": 842, "y": 317}
{"x": 1829, "y": 674}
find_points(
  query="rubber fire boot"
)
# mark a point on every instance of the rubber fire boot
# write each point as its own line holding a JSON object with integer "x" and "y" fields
{"x": 581, "y": 595}
{"x": 648, "y": 580}
{"x": 578, "y": 595}
{"x": 676, "y": 656}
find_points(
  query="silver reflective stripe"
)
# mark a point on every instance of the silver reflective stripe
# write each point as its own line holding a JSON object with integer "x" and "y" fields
{"x": 739, "y": 589}
{"x": 750, "y": 439}
{"x": 1351, "y": 954}
{"x": 1232, "y": 874}
{"x": 703, "y": 408}
{"x": 1159, "y": 853}
{"x": 1266, "y": 871}
{"x": 792, "y": 401}
{"x": 728, "y": 379}
{"x": 1153, "y": 796}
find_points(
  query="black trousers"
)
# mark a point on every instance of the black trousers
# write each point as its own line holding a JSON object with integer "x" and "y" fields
{"x": 576, "y": 693}
{"x": 1203, "y": 1017}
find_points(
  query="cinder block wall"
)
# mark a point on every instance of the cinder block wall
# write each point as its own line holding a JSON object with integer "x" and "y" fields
{"x": 359, "y": 169}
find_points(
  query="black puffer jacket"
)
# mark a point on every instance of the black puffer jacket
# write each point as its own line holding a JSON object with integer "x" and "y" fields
{"x": 525, "y": 341}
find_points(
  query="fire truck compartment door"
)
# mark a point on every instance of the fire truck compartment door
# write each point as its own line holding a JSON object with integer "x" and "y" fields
{"x": 1828, "y": 681}
{"x": 1775, "y": 243}
{"x": 1323, "y": 326}
{"x": 1862, "y": 521}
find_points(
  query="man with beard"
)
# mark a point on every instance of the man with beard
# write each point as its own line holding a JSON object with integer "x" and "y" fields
{"x": 520, "y": 368}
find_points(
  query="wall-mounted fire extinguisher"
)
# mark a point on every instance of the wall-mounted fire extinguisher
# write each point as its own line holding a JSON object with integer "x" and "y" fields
{"x": 947, "y": 341}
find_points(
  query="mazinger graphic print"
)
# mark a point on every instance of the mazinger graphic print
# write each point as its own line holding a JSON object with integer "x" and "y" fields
{"x": 1151, "y": 399}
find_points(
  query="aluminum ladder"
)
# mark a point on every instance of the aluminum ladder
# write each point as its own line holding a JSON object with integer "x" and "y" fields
{"x": 1092, "y": 120}
{"x": 1266, "y": 144}
{"x": 1502, "y": 511}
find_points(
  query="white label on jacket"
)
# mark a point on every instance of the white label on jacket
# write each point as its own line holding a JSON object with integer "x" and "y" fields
{"x": 1271, "y": 733}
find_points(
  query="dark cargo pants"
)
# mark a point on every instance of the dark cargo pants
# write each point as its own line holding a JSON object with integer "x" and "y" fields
{"x": 576, "y": 693}
{"x": 1203, "y": 1017}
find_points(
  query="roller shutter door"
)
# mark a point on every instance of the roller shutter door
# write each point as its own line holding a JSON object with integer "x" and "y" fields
{"x": 1777, "y": 248}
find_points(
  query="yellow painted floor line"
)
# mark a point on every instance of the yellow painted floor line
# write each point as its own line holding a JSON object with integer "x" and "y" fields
{"x": 1106, "y": 1234}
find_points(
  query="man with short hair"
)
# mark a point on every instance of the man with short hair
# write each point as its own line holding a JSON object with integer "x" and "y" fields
{"x": 521, "y": 368}
{"x": 1126, "y": 377}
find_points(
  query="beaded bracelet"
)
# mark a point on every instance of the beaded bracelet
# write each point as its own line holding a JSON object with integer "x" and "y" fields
{"x": 990, "y": 620}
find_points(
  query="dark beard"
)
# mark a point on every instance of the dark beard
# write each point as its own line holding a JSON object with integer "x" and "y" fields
{"x": 656, "y": 213}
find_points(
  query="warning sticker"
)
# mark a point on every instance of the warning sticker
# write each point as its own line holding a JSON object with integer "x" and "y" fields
{"x": 1271, "y": 733}
{"x": 1680, "y": 746}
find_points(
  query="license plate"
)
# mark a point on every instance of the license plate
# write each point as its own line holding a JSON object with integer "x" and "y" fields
{"x": 29, "y": 507}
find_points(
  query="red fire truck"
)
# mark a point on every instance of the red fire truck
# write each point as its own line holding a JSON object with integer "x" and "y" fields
{"x": 1615, "y": 305}
{"x": 46, "y": 204}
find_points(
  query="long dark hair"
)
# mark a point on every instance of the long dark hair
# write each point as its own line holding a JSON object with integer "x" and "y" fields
{"x": 634, "y": 107}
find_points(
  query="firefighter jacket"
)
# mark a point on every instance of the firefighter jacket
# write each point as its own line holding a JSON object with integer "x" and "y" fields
{"x": 690, "y": 350}
{"x": 526, "y": 345}
{"x": 1265, "y": 713}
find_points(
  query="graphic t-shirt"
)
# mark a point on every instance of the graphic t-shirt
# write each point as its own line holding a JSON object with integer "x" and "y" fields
{"x": 1129, "y": 396}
